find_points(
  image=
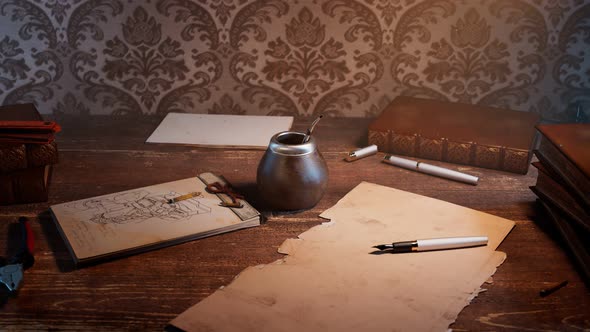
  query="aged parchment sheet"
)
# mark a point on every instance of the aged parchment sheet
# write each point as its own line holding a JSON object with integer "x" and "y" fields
{"x": 329, "y": 281}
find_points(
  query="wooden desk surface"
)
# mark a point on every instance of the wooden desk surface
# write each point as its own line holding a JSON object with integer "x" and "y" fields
{"x": 100, "y": 155}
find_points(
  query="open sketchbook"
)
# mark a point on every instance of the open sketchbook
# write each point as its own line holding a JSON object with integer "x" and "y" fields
{"x": 142, "y": 219}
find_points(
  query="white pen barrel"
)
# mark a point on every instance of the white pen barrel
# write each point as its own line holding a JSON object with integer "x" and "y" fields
{"x": 431, "y": 169}
{"x": 452, "y": 243}
{"x": 401, "y": 162}
{"x": 447, "y": 173}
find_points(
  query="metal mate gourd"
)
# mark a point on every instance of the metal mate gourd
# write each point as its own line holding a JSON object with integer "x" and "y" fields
{"x": 292, "y": 174}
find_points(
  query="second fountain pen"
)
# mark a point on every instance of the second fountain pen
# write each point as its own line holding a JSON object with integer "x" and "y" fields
{"x": 435, "y": 244}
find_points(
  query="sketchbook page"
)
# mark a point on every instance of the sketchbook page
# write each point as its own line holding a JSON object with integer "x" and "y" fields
{"x": 329, "y": 281}
{"x": 133, "y": 218}
{"x": 219, "y": 130}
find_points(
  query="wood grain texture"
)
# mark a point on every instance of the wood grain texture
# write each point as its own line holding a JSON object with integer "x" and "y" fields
{"x": 102, "y": 155}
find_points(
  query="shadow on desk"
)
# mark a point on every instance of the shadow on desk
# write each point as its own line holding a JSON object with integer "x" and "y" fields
{"x": 250, "y": 192}
{"x": 575, "y": 251}
{"x": 56, "y": 244}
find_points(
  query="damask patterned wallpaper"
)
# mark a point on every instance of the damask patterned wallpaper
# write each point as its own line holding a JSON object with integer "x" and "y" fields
{"x": 294, "y": 57}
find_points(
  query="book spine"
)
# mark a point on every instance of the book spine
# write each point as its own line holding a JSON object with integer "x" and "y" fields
{"x": 25, "y": 186}
{"x": 442, "y": 149}
{"x": 20, "y": 156}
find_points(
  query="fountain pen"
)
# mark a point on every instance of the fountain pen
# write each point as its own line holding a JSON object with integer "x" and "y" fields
{"x": 435, "y": 244}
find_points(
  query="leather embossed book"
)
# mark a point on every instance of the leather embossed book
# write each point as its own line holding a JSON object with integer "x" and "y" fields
{"x": 457, "y": 133}
{"x": 134, "y": 221}
{"x": 550, "y": 189}
{"x": 565, "y": 149}
{"x": 563, "y": 186}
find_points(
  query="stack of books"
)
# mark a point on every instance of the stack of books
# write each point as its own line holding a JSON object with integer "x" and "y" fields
{"x": 563, "y": 187}
{"x": 27, "y": 154}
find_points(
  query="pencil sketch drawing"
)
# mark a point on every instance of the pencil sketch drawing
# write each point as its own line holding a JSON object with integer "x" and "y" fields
{"x": 139, "y": 206}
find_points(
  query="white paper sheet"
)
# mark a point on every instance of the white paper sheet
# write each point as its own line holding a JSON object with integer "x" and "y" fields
{"x": 219, "y": 130}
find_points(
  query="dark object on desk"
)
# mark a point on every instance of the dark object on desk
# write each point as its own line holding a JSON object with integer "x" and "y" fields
{"x": 292, "y": 175}
{"x": 563, "y": 186}
{"x": 456, "y": 133}
{"x": 550, "y": 189}
{"x": 25, "y": 169}
{"x": 11, "y": 272}
{"x": 548, "y": 291}
{"x": 565, "y": 149}
{"x": 574, "y": 239}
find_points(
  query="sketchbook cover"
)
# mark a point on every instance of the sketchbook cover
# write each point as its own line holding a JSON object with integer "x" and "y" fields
{"x": 137, "y": 220}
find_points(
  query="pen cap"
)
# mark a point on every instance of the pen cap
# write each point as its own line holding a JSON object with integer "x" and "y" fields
{"x": 361, "y": 153}
{"x": 292, "y": 174}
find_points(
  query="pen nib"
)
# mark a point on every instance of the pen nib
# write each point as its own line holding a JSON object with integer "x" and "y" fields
{"x": 382, "y": 246}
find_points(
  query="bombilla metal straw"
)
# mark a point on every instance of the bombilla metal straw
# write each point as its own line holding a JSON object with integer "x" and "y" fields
{"x": 310, "y": 130}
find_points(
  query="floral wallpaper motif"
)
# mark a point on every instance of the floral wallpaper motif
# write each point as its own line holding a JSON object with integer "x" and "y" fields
{"x": 301, "y": 58}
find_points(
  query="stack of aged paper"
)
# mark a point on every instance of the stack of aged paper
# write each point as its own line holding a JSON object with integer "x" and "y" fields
{"x": 330, "y": 281}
